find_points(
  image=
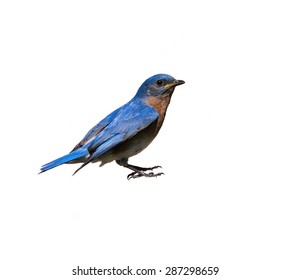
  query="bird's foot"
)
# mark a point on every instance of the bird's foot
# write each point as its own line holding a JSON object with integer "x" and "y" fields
{"x": 141, "y": 172}
{"x": 147, "y": 168}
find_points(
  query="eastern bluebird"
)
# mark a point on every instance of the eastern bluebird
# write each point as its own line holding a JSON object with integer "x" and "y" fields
{"x": 126, "y": 131}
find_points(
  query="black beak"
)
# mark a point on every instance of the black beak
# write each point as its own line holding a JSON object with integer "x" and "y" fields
{"x": 178, "y": 82}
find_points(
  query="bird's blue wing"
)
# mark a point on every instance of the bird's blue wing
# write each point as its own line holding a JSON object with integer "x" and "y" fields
{"x": 135, "y": 116}
{"x": 93, "y": 132}
{"x": 80, "y": 151}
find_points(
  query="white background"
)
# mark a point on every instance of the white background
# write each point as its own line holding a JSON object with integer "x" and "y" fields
{"x": 224, "y": 146}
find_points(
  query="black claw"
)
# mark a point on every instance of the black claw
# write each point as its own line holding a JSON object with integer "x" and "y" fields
{"x": 138, "y": 168}
{"x": 151, "y": 174}
{"x": 134, "y": 175}
{"x": 139, "y": 174}
{"x": 154, "y": 167}
{"x": 141, "y": 171}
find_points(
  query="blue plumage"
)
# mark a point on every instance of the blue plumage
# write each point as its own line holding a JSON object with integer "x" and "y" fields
{"x": 77, "y": 154}
{"x": 126, "y": 131}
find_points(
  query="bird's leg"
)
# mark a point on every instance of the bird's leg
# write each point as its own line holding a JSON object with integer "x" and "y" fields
{"x": 138, "y": 171}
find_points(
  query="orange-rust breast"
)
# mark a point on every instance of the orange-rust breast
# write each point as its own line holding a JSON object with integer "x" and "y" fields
{"x": 160, "y": 105}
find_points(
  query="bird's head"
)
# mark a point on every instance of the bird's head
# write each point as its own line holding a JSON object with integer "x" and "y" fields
{"x": 158, "y": 86}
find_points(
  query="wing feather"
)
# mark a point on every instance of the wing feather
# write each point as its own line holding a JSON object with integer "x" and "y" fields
{"x": 134, "y": 117}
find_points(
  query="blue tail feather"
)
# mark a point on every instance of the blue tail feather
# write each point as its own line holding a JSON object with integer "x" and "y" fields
{"x": 77, "y": 154}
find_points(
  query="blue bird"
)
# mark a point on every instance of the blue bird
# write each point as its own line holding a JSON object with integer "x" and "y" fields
{"x": 126, "y": 131}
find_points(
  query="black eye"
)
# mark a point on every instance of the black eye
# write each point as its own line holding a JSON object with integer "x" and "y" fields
{"x": 159, "y": 82}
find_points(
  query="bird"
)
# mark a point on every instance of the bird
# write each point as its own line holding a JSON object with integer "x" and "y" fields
{"x": 126, "y": 131}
